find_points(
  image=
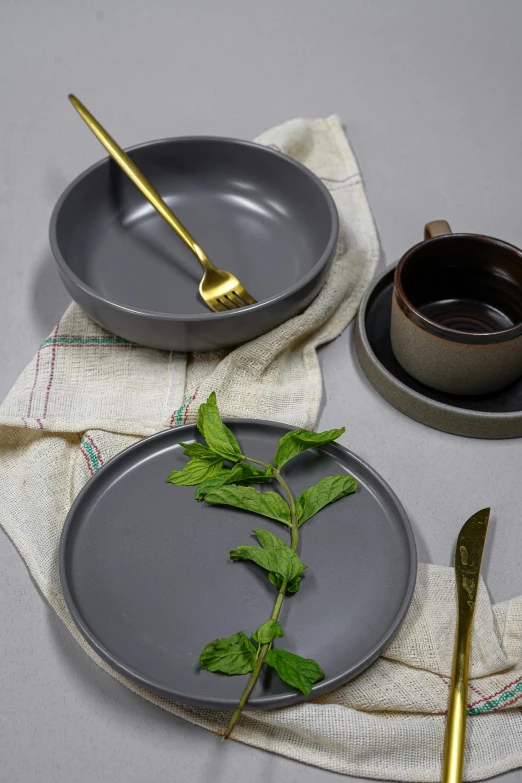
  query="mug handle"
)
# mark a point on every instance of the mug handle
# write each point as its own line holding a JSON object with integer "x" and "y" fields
{"x": 437, "y": 228}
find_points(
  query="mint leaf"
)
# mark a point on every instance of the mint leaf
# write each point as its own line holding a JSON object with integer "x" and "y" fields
{"x": 267, "y": 539}
{"x": 214, "y": 482}
{"x": 268, "y": 632}
{"x": 326, "y": 491}
{"x": 232, "y": 655}
{"x": 196, "y": 449}
{"x": 269, "y": 504}
{"x": 195, "y": 471}
{"x": 280, "y": 560}
{"x": 219, "y": 437}
{"x": 291, "y": 587}
{"x": 300, "y": 673}
{"x": 296, "y": 441}
{"x": 238, "y": 474}
{"x": 257, "y": 554}
{"x": 247, "y": 473}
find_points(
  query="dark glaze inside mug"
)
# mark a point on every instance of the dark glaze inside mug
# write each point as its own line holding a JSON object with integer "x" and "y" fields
{"x": 456, "y": 321}
{"x": 463, "y": 283}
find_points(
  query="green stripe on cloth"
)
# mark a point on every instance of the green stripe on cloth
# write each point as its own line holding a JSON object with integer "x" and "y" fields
{"x": 497, "y": 702}
{"x": 93, "y": 457}
{"x": 86, "y": 341}
{"x": 179, "y": 413}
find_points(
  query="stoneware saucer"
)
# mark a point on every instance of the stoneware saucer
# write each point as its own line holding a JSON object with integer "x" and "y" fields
{"x": 495, "y": 415}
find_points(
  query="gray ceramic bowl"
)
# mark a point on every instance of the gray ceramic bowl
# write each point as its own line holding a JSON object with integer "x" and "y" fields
{"x": 255, "y": 212}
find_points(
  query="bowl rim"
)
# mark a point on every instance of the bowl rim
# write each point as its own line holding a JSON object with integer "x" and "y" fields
{"x": 312, "y": 274}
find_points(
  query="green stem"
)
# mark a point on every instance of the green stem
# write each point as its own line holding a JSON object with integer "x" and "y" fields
{"x": 293, "y": 512}
{"x": 279, "y": 601}
{"x": 256, "y": 671}
{"x": 289, "y": 497}
{"x": 263, "y": 650}
{"x": 256, "y": 462}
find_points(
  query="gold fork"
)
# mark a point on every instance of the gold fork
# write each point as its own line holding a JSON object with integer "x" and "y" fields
{"x": 219, "y": 289}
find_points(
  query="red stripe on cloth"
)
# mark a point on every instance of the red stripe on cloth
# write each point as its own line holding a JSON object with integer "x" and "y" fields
{"x": 91, "y": 345}
{"x": 189, "y": 404}
{"x": 87, "y": 460}
{"x": 494, "y": 695}
{"x": 95, "y": 447}
{"x": 37, "y": 368}
{"x": 507, "y": 703}
{"x": 90, "y": 336}
{"x": 339, "y": 181}
{"x": 354, "y": 182}
{"x": 325, "y": 179}
{"x": 447, "y": 682}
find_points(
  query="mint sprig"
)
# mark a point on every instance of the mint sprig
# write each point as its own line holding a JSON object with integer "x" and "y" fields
{"x": 220, "y": 484}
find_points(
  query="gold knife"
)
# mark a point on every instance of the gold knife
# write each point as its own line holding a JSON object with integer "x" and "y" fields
{"x": 468, "y": 557}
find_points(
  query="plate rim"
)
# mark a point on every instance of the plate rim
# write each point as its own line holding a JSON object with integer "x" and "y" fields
{"x": 220, "y": 703}
{"x": 312, "y": 274}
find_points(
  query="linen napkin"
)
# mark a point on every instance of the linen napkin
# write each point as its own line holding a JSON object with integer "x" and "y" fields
{"x": 88, "y": 394}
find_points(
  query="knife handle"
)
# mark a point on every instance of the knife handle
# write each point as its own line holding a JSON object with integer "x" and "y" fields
{"x": 457, "y": 707}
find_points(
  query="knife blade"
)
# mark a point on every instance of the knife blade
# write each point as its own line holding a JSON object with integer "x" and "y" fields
{"x": 468, "y": 559}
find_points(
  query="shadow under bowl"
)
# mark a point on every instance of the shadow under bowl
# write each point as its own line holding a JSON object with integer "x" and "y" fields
{"x": 255, "y": 212}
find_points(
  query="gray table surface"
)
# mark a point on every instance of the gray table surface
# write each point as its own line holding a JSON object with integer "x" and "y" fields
{"x": 430, "y": 96}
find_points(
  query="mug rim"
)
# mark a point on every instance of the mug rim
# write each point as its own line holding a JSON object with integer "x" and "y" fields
{"x": 437, "y": 329}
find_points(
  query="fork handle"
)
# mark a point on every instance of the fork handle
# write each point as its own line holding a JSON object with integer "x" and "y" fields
{"x": 141, "y": 182}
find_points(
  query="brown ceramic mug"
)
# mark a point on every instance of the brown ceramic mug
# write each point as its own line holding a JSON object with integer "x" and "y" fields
{"x": 456, "y": 321}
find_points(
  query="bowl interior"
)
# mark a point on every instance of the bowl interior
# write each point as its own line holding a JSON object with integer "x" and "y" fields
{"x": 254, "y": 212}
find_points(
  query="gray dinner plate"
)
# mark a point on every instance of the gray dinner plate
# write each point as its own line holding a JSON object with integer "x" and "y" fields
{"x": 147, "y": 578}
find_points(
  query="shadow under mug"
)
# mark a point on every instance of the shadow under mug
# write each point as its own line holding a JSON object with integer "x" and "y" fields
{"x": 456, "y": 322}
